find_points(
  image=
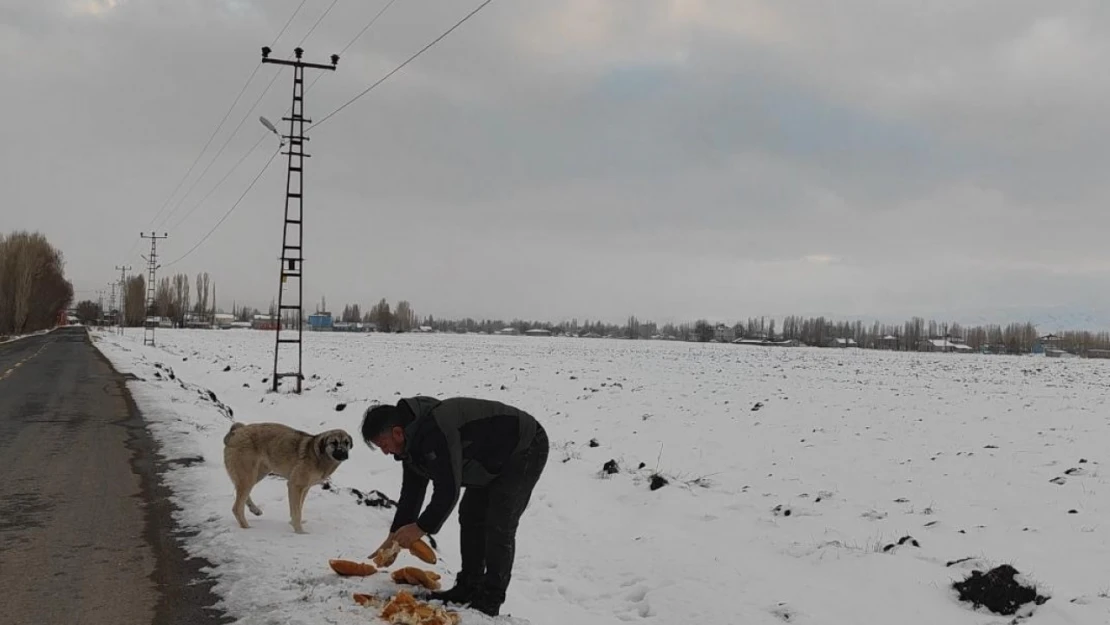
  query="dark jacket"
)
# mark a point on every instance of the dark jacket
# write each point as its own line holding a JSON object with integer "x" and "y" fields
{"x": 454, "y": 443}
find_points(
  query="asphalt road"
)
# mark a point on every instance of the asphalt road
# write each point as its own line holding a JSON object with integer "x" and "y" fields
{"x": 86, "y": 532}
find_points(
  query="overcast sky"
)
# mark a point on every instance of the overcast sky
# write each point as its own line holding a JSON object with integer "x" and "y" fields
{"x": 672, "y": 159}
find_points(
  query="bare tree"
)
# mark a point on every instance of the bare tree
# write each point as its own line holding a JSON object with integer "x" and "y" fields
{"x": 404, "y": 317}
{"x": 33, "y": 288}
{"x": 136, "y": 301}
{"x": 381, "y": 316}
{"x": 202, "y": 293}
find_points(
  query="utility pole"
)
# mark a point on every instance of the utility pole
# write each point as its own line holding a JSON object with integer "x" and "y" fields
{"x": 292, "y": 237}
{"x": 112, "y": 303}
{"x": 122, "y": 296}
{"x": 100, "y": 307}
{"x": 152, "y": 267}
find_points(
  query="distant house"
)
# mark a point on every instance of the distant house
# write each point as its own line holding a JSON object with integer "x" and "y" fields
{"x": 538, "y": 332}
{"x": 765, "y": 342}
{"x": 848, "y": 342}
{"x": 507, "y": 332}
{"x": 723, "y": 333}
{"x": 1098, "y": 353}
{"x": 223, "y": 321}
{"x": 889, "y": 342}
{"x": 321, "y": 321}
{"x": 944, "y": 345}
{"x": 1049, "y": 343}
{"x": 193, "y": 320}
{"x": 264, "y": 322}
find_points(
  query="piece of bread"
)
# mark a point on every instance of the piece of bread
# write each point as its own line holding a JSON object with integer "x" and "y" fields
{"x": 417, "y": 577}
{"x": 367, "y": 601}
{"x": 349, "y": 567}
{"x": 404, "y": 609}
{"x": 387, "y": 555}
{"x": 421, "y": 550}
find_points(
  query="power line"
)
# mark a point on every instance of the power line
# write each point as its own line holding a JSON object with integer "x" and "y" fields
{"x": 218, "y": 126}
{"x": 222, "y": 180}
{"x": 402, "y": 65}
{"x": 228, "y": 213}
{"x": 362, "y": 32}
{"x": 288, "y": 22}
{"x": 366, "y": 28}
{"x": 205, "y": 148}
{"x": 350, "y": 43}
{"x": 224, "y": 146}
{"x": 253, "y": 106}
{"x": 320, "y": 19}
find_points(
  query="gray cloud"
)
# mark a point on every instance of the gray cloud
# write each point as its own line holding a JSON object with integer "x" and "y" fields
{"x": 586, "y": 158}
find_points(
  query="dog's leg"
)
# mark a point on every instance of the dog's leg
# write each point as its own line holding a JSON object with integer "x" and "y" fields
{"x": 304, "y": 496}
{"x": 236, "y": 470}
{"x": 296, "y": 500}
{"x": 255, "y": 510}
{"x": 242, "y": 496}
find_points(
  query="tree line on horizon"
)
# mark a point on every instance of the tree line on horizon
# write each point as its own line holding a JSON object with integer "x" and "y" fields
{"x": 1012, "y": 338}
{"x": 173, "y": 300}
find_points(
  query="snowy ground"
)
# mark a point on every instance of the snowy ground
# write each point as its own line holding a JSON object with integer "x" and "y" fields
{"x": 775, "y": 515}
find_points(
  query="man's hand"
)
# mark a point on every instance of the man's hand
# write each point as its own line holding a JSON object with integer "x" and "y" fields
{"x": 407, "y": 535}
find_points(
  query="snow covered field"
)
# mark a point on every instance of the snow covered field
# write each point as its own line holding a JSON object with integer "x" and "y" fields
{"x": 781, "y": 514}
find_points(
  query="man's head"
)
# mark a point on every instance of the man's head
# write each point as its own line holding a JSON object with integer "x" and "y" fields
{"x": 383, "y": 427}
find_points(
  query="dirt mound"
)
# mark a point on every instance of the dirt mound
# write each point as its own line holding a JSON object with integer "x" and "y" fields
{"x": 998, "y": 590}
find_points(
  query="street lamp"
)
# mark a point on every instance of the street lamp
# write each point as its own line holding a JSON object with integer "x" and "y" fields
{"x": 271, "y": 128}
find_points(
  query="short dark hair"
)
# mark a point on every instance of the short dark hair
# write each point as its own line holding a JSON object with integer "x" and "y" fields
{"x": 382, "y": 418}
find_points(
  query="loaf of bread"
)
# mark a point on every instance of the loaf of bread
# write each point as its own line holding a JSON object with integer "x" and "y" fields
{"x": 421, "y": 550}
{"x": 349, "y": 567}
{"x": 417, "y": 577}
{"x": 388, "y": 555}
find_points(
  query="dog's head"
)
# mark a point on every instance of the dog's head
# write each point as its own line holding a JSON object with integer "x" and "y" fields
{"x": 335, "y": 444}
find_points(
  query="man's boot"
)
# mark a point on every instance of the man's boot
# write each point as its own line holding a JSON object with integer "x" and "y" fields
{"x": 488, "y": 600}
{"x": 488, "y": 597}
{"x": 466, "y": 586}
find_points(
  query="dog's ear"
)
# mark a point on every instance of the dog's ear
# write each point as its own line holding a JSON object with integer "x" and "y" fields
{"x": 322, "y": 445}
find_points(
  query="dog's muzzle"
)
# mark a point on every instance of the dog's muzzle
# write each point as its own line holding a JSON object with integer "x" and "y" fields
{"x": 339, "y": 454}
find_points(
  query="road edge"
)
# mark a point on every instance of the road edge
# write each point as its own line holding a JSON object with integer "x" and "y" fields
{"x": 185, "y": 595}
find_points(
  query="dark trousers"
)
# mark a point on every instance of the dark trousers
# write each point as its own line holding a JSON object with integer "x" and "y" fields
{"x": 488, "y": 519}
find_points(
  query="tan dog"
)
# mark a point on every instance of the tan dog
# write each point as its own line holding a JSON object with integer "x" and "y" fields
{"x": 251, "y": 452}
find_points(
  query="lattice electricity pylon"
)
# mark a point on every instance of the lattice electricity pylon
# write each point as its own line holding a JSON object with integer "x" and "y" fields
{"x": 152, "y": 268}
{"x": 292, "y": 240}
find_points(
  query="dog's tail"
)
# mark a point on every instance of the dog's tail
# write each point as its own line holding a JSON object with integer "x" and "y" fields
{"x": 234, "y": 426}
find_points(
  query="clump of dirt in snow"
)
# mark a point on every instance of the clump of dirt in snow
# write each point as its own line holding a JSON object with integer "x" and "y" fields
{"x": 340, "y": 407}
{"x": 594, "y": 443}
{"x": 999, "y": 590}
{"x": 372, "y": 499}
{"x": 905, "y": 540}
{"x": 611, "y": 468}
{"x": 657, "y": 481}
